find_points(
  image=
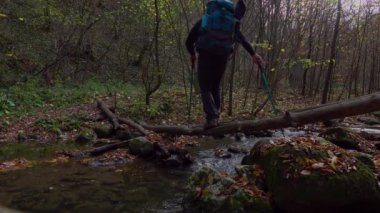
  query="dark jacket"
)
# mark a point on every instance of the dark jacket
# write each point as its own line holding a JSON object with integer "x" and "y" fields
{"x": 195, "y": 33}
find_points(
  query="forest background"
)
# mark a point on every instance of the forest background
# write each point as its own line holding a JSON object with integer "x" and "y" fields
{"x": 58, "y": 53}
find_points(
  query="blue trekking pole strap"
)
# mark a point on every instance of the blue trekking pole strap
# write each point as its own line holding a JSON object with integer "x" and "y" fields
{"x": 267, "y": 88}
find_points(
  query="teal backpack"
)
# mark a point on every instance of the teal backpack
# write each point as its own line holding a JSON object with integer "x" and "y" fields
{"x": 218, "y": 28}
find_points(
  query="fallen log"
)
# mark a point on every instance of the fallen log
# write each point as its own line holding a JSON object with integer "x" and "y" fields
{"x": 110, "y": 115}
{"x": 103, "y": 149}
{"x": 96, "y": 151}
{"x": 357, "y": 106}
{"x": 115, "y": 121}
{"x": 134, "y": 125}
{"x": 321, "y": 113}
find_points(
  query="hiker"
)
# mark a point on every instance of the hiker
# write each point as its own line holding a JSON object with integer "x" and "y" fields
{"x": 213, "y": 38}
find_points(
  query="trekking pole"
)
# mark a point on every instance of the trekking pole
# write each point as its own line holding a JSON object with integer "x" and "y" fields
{"x": 267, "y": 88}
{"x": 191, "y": 91}
{"x": 264, "y": 79}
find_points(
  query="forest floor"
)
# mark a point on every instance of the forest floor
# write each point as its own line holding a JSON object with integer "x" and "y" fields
{"x": 64, "y": 113}
{"x": 51, "y": 122}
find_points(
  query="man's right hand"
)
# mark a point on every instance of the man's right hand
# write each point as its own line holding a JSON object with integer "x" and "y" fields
{"x": 193, "y": 59}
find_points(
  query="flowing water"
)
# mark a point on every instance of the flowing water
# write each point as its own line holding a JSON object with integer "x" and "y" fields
{"x": 135, "y": 187}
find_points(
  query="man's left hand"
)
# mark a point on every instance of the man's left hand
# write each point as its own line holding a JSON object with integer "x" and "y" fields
{"x": 257, "y": 59}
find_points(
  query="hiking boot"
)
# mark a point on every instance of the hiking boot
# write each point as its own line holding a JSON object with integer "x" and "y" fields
{"x": 211, "y": 124}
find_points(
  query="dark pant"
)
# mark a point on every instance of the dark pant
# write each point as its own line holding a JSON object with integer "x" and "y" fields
{"x": 211, "y": 68}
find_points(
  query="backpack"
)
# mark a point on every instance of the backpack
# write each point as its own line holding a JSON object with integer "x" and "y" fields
{"x": 218, "y": 28}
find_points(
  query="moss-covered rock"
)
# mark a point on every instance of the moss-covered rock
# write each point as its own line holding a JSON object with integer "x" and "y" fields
{"x": 242, "y": 201}
{"x": 366, "y": 159}
{"x": 253, "y": 174}
{"x": 306, "y": 176}
{"x": 341, "y": 137}
{"x": 141, "y": 146}
{"x": 86, "y": 136}
{"x": 103, "y": 132}
{"x": 210, "y": 191}
{"x": 248, "y": 159}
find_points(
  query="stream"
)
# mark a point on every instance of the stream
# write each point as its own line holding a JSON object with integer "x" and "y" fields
{"x": 140, "y": 186}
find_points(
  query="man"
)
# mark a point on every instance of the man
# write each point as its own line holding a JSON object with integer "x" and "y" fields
{"x": 214, "y": 48}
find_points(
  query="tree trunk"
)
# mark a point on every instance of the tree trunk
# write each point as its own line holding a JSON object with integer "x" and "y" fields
{"x": 333, "y": 54}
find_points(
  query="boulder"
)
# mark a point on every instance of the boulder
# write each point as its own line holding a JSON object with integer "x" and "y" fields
{"x": 248, "y": 159}
{"x": 86, "y": 136}
{"x": 141, "y": 146}
{"x": 210, "y": 191}
{"x": 253, "y": 174}
{"x": 221, "y": 153}
{"x": 305, "y": 175}
{"x": 237, "y": 149}
{"x": 103, "y": 132}
{"x": 173, "y": 161}
{"x": 342, "y": 137}
{"x": 366, "y": 159}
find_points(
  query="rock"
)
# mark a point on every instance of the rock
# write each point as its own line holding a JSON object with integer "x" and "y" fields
{"x": 103, "y": 132}
{"x": 248, "y": 159}
{"x": 161, "y": 152}
{"x": 318, "y": 179}
{"x": 322, "y": 140}
{"x": 369, "y": 120}
{"x": 173, "y": 161}
{"x": 236, "y": 149}
{"x": 253, "y": 173}
{"x": 366, "y": 159}
{"x": 220, "y": 153}
{"x": 341, "y": 137}
{"x": 240, "y": 136}
{"x": 141, "y": 146}
{"x": 377, "y": 145}
{"x": 86, "y": 136}
{"x": 21, "y": 138}
{"x": 377, "y": 114}
{"x": 210, "y": 191}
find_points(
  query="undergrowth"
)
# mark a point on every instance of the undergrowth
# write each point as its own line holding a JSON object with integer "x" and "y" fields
{"x": 22, "y": 99}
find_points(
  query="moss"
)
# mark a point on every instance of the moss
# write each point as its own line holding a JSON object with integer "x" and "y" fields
{"x": 341, "y": 137}
{"x": 141, "y": 147}
{"x": 366, "y": 160}
{"x": 210, "y": 191}
{"x": 317, "y": 191}
{"x": 86, "y": 136}
{"x": 103, "y": 132}
{"x": 240, "y": 201}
